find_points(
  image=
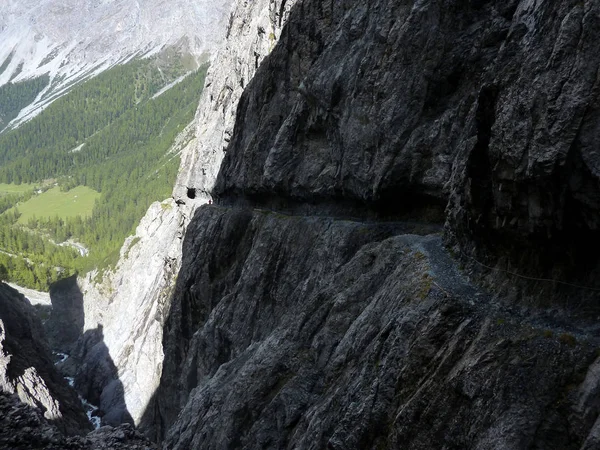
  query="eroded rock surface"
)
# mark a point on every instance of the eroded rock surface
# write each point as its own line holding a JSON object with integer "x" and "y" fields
{"x": 254, "y": 29}
{"x": 25, "y": 428}
{"x": 26, "y": 368}
{"x": 120, "y": 349}
{"x": 311, "y": 332}
{"x": 316, "y": 306}
{"x": 122, "y": 370}
{"x": 394, "y": 106}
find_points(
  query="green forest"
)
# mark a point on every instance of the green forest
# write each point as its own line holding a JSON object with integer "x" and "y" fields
{"x": 15, "y": 96}
{"x": 39, "y": 262}
{"x": 108, "y": 134}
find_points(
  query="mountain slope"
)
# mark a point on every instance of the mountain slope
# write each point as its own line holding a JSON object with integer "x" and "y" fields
{"x": 70, "y": 40}
{"x": 113, "y": 134}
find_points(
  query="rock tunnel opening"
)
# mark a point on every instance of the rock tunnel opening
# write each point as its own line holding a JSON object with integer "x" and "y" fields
{"x": 191, "y": 193}
{"x": 402, "y": 203}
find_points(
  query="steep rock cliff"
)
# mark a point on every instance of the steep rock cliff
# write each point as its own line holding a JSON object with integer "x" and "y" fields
{"x": 26, "y": 368}
{"x": 316, "y": 306}
{"x": 122, "y": 369}
{"x": 313, "y": 332}
{"x": 254, "y": 29}
{"x": 390, "y": 106}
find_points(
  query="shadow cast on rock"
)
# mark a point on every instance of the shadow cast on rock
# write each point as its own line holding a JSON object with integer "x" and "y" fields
{"x": 95, "y": 376}
{"x": 26, "y": 365}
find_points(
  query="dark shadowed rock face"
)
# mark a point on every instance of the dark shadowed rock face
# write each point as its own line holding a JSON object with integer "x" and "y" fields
{"x": 38, "y": 410}
{"x": 26, "y": 367}
{"x": 310, "y": 332}
{"x": 400, "y": 105}
{"x": 66, "y": 321}
{"x": 89, "y": 364}
{"x": 24, "y": 428}
{"x": 316, "y": 306}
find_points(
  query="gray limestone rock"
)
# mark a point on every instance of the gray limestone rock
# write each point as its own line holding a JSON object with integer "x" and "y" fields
{"x": 254, "y": 29}
{"x": 132, "y": 302}
{"x": 313, "y": 332}
{"x": 121, "y": 347}
{"x": 25, "y": 428}
{"x": 489, "y": 108}
{"x": 316, "y": 306}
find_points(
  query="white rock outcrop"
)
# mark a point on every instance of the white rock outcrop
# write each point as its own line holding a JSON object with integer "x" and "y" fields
{"x": 254, "y": 29}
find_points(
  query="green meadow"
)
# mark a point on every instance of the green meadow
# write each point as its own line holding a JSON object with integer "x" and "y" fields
{"x": 15, "y": 188}
{"x": 127, "y": 134}
{"x": 78, "y": 201}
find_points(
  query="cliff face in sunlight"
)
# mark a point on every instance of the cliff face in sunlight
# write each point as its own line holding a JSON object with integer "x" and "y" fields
{"x": 131, "y": 303}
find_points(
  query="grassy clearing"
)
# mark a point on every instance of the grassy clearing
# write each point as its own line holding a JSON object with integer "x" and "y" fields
{"x": 77, "y": 202}
{"x": 15, "y": 188}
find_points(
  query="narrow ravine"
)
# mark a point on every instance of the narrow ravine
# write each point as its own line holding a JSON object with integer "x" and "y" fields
{"x": 90, "y": 410}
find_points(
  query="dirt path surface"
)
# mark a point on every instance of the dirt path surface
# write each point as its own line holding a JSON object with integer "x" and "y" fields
{"x": 448, "y": 277}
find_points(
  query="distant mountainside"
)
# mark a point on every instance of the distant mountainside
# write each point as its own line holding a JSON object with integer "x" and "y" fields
{"x": 73, "y": 39}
